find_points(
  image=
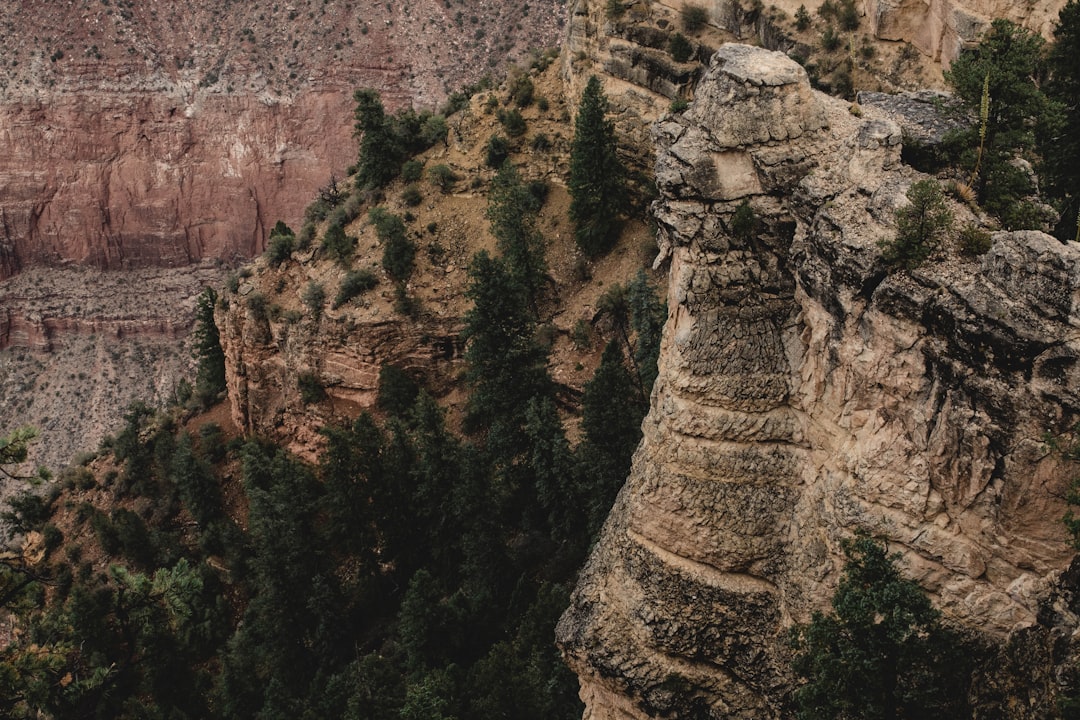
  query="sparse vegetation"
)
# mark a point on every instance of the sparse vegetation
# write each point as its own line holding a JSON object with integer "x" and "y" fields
{"x": 920, "y": 225}
{"x": 355, "y": 283}
{"x": 694, "y": 17}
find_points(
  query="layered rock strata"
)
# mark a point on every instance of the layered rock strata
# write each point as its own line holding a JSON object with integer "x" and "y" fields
{"x": 77, "y": 346}
{"x": 156, "y": 135}
{"x": 804, "y": 393}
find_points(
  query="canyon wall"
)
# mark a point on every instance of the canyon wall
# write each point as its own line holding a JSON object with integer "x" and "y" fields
{"x": 806, "y": 392}
{"x": 161, "y": 178}
{"x": 940, "y": 29}
{"x": 141, "y": 136}
{"x": 138, "y": 135}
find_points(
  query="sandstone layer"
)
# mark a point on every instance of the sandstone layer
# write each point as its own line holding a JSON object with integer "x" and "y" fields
{"x": 805, "y": 392}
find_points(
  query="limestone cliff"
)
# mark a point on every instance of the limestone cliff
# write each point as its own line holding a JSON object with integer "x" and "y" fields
{"x": 804, "y": 393}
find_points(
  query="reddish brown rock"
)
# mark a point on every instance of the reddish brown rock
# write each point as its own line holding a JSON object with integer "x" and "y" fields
{"x": 147, "y": 135}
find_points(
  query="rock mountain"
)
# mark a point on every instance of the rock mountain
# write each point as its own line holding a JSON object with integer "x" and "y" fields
{"x": 805, "y": 392}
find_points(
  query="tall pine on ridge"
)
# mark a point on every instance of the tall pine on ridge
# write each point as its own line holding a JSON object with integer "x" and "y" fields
{"x": 597, "y": 189}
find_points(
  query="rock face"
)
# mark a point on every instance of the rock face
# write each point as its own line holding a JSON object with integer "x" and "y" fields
{"x": 941, "y": 28}
{"x": 77, "y": 346}
{"x": 160, "y": 179}
{"x": 805, "y": 393}
{"x": 147, "y": 136}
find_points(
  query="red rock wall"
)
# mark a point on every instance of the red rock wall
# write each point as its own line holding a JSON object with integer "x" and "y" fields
{"x": 139, "y": 180}
{"x": 143, "y": 134}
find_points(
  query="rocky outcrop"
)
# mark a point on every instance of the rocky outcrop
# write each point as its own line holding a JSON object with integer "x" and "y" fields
{"x": 805, "y": 392}
{"x": 342, "y": 352}
{"x": 942, "y": 28}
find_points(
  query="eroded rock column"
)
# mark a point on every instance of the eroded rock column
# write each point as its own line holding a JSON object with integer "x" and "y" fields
{"x": 678, "y": 609}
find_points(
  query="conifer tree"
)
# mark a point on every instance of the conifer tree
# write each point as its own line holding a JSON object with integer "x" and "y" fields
{"x": 380, "y": 156}
{"x": 611, "y": 420}
{"x": 507, "y": 367}
{"x": 511, "y": 210}
{"x": 995, "y": 81}
{"x": 882, "y": 651}
{"x": 1061, "y": 146}
{"x": 597, "y": 187}
{"x": 210, "y": 375}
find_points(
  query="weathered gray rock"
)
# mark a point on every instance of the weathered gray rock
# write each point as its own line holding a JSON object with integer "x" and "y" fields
{"x": 805, "y": 392}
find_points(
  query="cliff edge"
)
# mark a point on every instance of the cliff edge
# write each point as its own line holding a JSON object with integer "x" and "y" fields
{"x": 805, "y": 393}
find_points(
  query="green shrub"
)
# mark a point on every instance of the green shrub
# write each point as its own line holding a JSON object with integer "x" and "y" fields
{"x": 412, "y": 171}
{"x": 743, "y": 222}
{"x": 678, "y": 105}
{"x": 307, "y": 235}
{"x": 256, "y": 303}
{"x": 412, "y": 196}
{"x": 830, "y": 39}
{"x": 614, "y": 9}
{"x": 311, "y": 388}
{"x": 496, "y": 151}
{"x": 399, "y": 252}
{"x": 513, "y": 122}
{"x": 279, "y": 249}
{"x": 920, "y": 225}
{"x": 314, "y": 297}
{"x": 694, "y": 17}
{"x": 355, "y": 283}
{"x": 442, "y": 177}
{"x": 974, "y": 240}
{"x": 680, "y": 48}
{"x": 397, "y": 390}
{"x": 521, "y": 90}
{"x": 540, "y": 142}
{"x": 848, "y": 15}
{"x": 581, "y": 335}
{"x": 802, "y": 18}
{"x": 337, "y": 244}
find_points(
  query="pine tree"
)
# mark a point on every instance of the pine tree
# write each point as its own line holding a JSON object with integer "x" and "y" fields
{"x": 507, "y": 367}
{"x": 882, "y": 651}
{"x": 597, "y": 187}
{"x": 210, "y": 375}
{"x": 611, "y": 421}
{"x": 380, "y": 155}
{"x": 1000, "y": 74}
{"x": 511, "y": 210}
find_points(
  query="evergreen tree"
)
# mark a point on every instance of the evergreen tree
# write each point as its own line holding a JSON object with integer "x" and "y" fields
{"x": 611, "y": 420}
{"x": 512, "y": 212}
{"x": 597, "y": 187}
{"x": 1061, "y": 143}
{"x": 882, "y": 652}
{"x": 920, "y": 225}
{"x": 647, "y": 314}
{"x": 380, "y": 155}
{"x": 995, "y": 81}
{"x": 507, "y": 367}
{"x": 210, "y": 373}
